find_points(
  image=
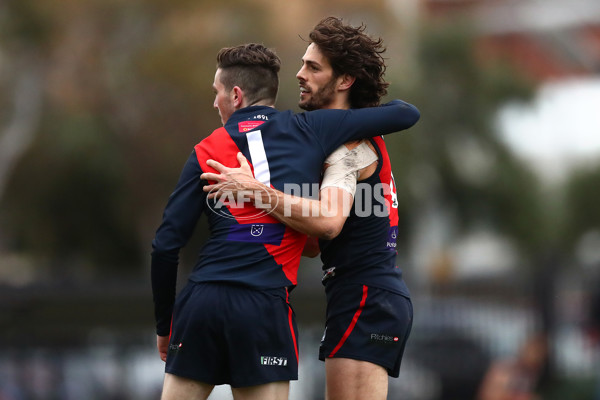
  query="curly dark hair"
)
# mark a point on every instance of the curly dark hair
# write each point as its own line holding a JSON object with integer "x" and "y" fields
{"x": 253, "y": 67}
{"x": 351, "y": 51}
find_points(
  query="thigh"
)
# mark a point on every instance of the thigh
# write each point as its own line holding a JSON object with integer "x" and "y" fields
{"x": 268, "y": 391}
{"x": 367, "y": 324}
{"x": 349, "y": 379}
{"x": 178, "y": 388}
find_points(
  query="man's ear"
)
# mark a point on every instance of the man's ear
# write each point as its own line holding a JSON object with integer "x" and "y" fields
{"x": 238, "y": 97}
{"x": 345, "y": 82}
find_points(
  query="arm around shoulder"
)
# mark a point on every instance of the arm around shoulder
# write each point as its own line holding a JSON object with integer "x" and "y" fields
{"x": 410, "y": 112}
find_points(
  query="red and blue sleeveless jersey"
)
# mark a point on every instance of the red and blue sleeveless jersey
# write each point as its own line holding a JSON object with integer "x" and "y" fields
{"x": 247, "y": 246}
{"x": 365, "y": 250}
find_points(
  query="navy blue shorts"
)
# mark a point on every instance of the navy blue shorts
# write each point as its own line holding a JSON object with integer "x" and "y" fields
{"x": 227, "y": 334}
{"x": 368, "y": 324}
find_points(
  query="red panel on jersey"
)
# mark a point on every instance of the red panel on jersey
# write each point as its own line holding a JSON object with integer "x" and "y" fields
{"x": 221, "y": 147}
{"x": 389, "y": 186}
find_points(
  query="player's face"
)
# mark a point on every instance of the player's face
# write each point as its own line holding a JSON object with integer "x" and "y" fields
{"x": 223, "y": 98}
{"x": 317, "y": 81}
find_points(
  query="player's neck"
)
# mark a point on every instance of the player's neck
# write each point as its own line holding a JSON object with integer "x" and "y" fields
{"x": 339, "y": 103}
{"x": 258, "y": 103}
{"x": 265, "y": 103}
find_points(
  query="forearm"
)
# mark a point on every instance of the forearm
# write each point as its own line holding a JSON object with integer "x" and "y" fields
{"x": 164, "y": 282}
{"x": 408, "y": 114}
{"x": 309, "y": 216}
{"x": 391, "y": 117}
{"x": 321, "y": 218}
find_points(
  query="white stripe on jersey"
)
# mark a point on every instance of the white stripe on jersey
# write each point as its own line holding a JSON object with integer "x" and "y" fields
{"x": 259, "y": 157}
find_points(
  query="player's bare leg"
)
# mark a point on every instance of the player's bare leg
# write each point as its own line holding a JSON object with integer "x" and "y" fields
{"x": 268, "y": 391}
{"x": 349, "y": 379}
{"x": 178, "y": 388}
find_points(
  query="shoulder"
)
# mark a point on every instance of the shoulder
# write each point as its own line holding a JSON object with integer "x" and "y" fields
{"x": 215, "y": 136}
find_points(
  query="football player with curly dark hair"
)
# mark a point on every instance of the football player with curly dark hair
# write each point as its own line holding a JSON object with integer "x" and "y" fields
{"x": 369, "y": 311}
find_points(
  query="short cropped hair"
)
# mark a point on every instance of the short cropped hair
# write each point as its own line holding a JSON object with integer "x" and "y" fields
{"x": 254, "y": 68}
{"x": 351, "y": 51}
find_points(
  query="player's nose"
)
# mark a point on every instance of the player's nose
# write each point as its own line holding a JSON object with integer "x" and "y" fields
{"x": 301, "y": 76}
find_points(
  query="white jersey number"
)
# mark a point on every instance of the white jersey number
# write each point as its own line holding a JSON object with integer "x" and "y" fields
{"x": 259, "y": 157}
{"x": 393, "y": 192}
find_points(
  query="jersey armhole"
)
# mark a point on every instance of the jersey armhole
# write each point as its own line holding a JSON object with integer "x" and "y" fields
{"x": 379, "y": 163}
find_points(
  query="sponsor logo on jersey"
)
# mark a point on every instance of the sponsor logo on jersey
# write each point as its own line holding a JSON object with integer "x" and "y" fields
{"x": 392, "y": 235}
{"x": 246, "y": 126}
{"x": 277, "y": 361}
{"x": 382, "y": 338}
{"x": 175, "y": 347}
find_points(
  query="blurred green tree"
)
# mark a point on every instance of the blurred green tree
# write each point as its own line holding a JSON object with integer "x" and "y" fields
{"x": 581, "y": 214}
{"x": 124, "y": 93}
{"x": 127, "y": 93}
{"x": 453, "y": 162}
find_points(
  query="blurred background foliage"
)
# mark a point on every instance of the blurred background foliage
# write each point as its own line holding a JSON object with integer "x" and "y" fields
{"x": 453, "y": 157}
{"x": 124, "y": 92}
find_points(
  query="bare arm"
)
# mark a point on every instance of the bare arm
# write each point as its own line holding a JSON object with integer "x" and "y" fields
{"x": 162, "y": 343}
{"x": 322, "y": 218}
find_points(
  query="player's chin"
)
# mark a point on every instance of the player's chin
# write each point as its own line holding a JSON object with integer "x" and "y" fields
{"x": 306, "y": 105}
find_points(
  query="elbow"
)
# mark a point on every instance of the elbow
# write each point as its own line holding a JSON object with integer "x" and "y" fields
{"x": 330, "y": 231}
{"x": 416, "y": 115}
{"x": 409, "y": 111}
